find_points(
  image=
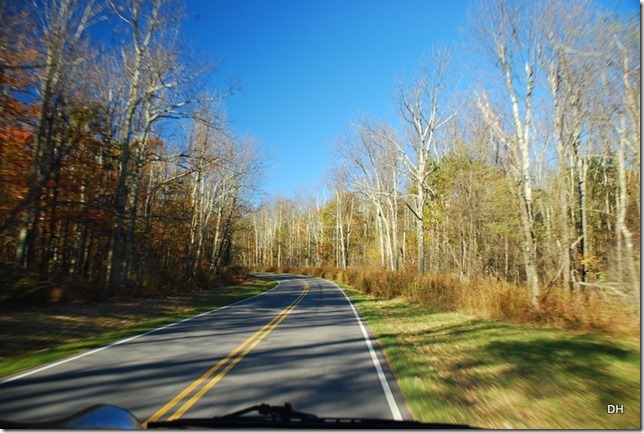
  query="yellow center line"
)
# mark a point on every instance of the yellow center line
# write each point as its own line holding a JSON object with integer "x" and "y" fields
{"x": 231, "y": 359}
{"x": 188, "y": 404}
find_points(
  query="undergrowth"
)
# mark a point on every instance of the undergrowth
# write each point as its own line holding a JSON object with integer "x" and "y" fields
{"x": 21, "y": 287}
{"x": 486, "y": 298}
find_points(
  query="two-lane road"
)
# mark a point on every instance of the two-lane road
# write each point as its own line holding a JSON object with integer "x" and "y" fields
{"x": 301, "y": 342}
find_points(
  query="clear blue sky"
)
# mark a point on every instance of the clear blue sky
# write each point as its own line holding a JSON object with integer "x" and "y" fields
{"x": 309, "y": 65}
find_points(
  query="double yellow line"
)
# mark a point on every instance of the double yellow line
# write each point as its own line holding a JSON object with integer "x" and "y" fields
{"x": 226, "y": 364}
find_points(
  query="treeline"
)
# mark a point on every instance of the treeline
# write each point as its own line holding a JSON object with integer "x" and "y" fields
{"x": 527, "y": 172}
{"x": 118, "y": 172}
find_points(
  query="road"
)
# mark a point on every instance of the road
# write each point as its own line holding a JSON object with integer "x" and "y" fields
{"x": 301, "y": 342}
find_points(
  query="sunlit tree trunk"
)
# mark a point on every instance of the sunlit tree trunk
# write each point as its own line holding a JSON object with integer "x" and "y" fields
{"x": 509, "y": 30}
{"x": 422, "y": 110}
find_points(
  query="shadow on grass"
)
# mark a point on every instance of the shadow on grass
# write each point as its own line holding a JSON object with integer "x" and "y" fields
{"x": 453, "y": 368}
{"x": 578, "y": 361}
{"x": 35, "y": 335}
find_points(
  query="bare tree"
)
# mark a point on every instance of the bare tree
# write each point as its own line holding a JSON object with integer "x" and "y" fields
{"x": 373, "y": 164}
{"x": 423, "y": 110}
{"x": 627, "y": 128}
{"x": 508, "y": 32}
{"x": 344, "y": 203}
{"x": 156, "y": 86}
{"x": 571, "y": 71}
{"x": 64, "y": 25}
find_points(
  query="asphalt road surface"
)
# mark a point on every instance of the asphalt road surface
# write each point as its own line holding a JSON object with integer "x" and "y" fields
{"x": 301, "y": 342}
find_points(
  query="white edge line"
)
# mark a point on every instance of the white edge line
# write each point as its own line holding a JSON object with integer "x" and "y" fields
{"x": 393, "y": 406}
{"x": 116, "y": 343}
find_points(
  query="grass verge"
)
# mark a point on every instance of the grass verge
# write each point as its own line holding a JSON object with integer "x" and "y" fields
{"x": 578, "y": 310}
{"x": 38, "y": 335}
{"x": 457, "y": 368}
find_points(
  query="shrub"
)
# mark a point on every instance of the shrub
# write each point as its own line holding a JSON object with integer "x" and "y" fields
{"x": 233, "y": 274}
{"x": 21, "y": 287}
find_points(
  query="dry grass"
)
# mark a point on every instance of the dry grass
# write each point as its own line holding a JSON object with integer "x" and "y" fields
{"x": 588, "y": 310}
{"x": 458, "y": 368}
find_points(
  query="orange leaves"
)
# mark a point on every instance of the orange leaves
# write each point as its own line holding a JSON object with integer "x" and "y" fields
{"x": 15, "y": 160}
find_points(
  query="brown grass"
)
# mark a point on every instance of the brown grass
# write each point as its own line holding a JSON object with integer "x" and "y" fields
{"x": 586, "y": 309}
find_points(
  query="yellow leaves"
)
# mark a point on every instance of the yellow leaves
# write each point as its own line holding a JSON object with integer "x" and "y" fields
{"x": 592, "y": 263}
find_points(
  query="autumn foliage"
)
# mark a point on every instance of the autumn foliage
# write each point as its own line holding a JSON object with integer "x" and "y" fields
{"x": 507, "y": 183}
{"x": 94, "y": 200}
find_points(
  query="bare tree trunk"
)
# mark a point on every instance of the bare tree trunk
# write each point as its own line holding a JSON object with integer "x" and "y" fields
{"x": 66, "y": 22}
{"x": 581, "y": 170}
{"x": 622, "y": 228}
{"x": 565, "y": 231}
{"x": 341, "y": 259}
{"x": 381, "y": 237}
{"x": 561, "y": 95}
{"x": 631, "y": 138}
{"x": 510, "y": 31}
{"x": 133, "y": 206}
{"x": 422, "y": 109}
{"x": 347, "y": 244}
{"x": 420, "y": 226}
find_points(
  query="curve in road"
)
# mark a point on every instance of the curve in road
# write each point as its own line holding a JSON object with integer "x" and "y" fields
{"x": 302, "y": 342}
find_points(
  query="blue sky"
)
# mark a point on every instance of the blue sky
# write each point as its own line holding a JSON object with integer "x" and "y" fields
{"x": 310, "y": 65}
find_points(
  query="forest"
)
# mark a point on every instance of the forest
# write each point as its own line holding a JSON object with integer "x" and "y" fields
{"x": 118, "y": 171}
{"x": 514, "y": 192}
{"x": 517, "y": 195}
